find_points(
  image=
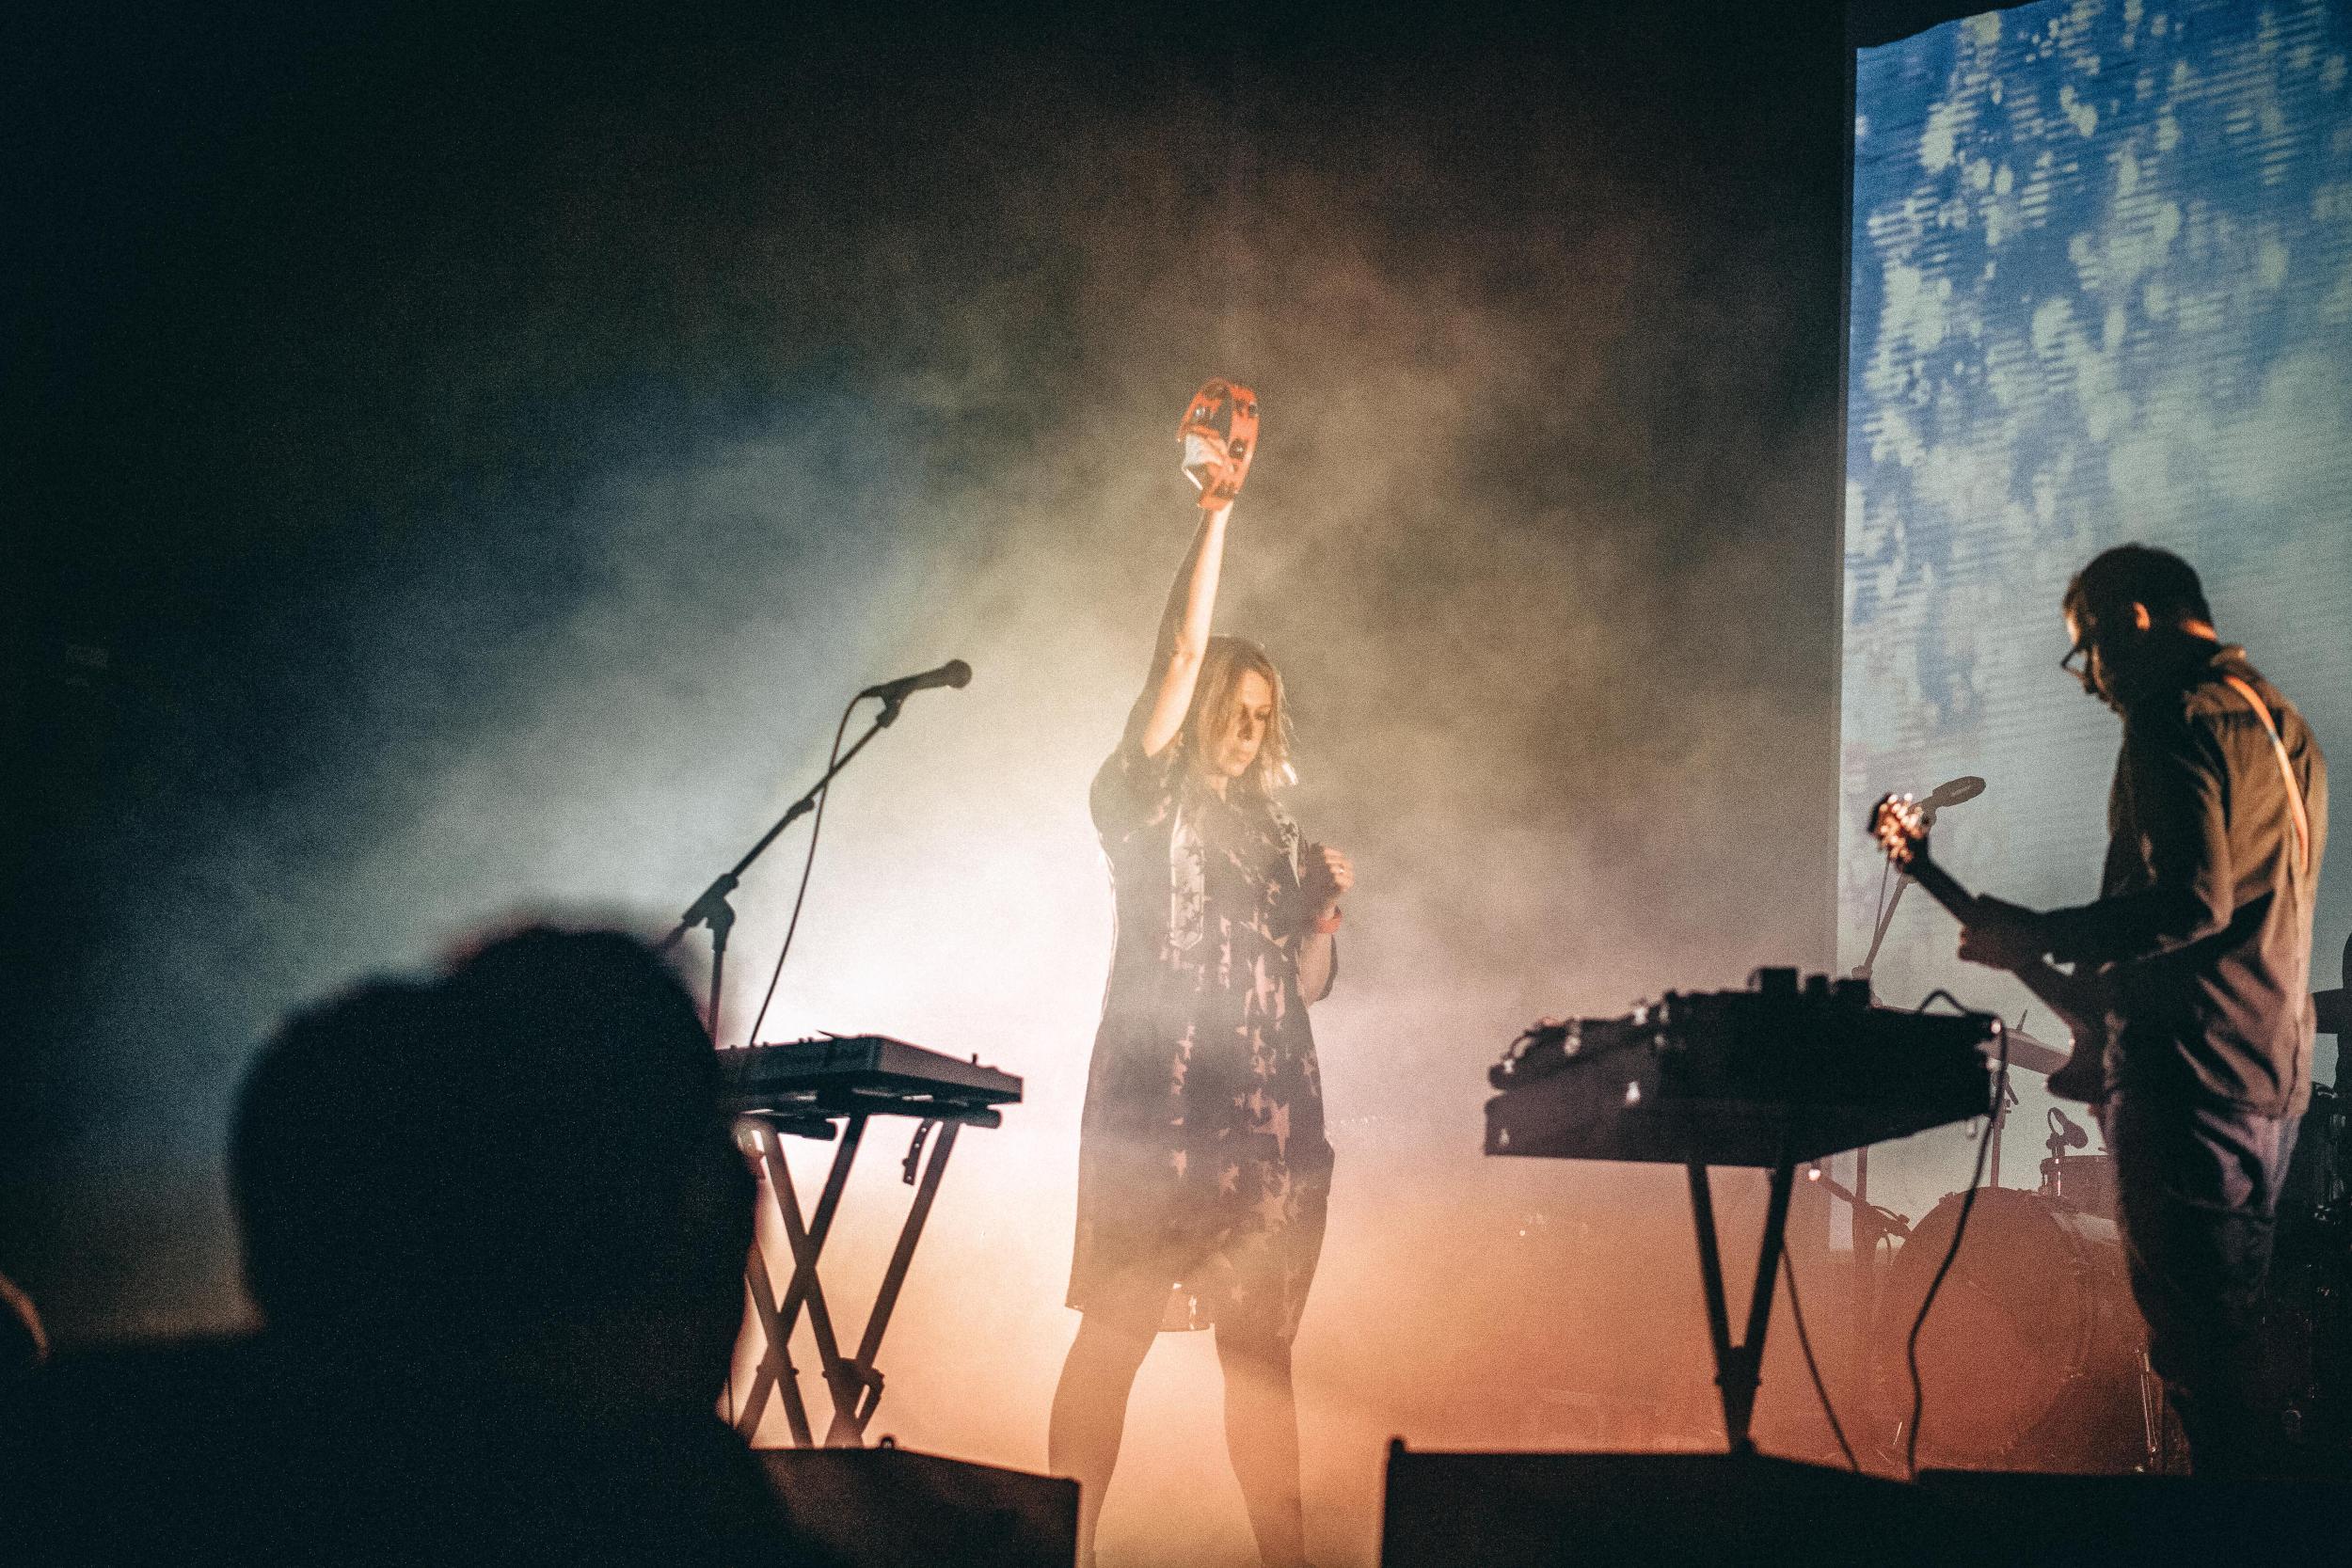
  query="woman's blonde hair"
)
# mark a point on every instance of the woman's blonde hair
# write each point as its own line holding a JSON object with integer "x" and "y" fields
{"x": 1213, "y": 696}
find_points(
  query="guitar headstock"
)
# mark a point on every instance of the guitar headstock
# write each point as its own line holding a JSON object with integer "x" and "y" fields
{"x": 1899, "y": 824}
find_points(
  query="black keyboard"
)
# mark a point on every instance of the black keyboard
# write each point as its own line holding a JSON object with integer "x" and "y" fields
{"x": 843, "y": 1074}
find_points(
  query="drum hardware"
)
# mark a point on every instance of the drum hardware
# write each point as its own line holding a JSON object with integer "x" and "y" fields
{"x": 2334, "y": 1008}
{"x": 1882, "y": 1224}
{"x": 2159, "y": 1427}
{"x": 2307, "y": 1310}
{"x": 2038, "y": 1360}
{"x": 1994, "y": 1127}
{"x": 2084, "y": 1183}
{"x": 2065, "y": 1133}
{"x": 1875, "y": 1226}
{"x": 2033, "y": 1357}
{"x": 2312, "y": 1198}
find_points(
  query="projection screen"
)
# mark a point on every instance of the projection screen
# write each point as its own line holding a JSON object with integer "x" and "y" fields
{"x": 2101, "y": 291}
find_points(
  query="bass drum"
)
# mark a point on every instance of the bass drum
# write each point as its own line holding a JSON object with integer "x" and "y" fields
{"x": 2031, "y": 1357}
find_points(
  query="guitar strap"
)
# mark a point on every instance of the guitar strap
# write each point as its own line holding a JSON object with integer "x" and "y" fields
{"x": 2286, "y": 772}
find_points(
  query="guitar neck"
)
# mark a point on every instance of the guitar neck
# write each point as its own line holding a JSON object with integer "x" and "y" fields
{"x": 1937, "y": 883}
{"x": 2073, "y": 998}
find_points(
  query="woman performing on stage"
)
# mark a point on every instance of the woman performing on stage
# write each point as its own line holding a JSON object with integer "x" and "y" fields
{"x": 1203, "y": 1169}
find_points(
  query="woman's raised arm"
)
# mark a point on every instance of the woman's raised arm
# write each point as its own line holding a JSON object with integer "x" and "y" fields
{"x": 1183, "y": 638}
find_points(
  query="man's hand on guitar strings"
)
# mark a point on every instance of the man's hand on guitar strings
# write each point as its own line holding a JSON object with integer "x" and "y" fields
{"x": 2003, "y": 935}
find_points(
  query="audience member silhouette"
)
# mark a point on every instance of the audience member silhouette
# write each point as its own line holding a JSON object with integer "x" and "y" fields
{"x": 495, "y": 1225}
{"x": 24, "y": 1343}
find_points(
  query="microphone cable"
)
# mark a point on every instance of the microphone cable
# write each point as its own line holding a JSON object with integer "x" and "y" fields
{"x": 816, "y": 826}
{"x": 1820, "y": 1389}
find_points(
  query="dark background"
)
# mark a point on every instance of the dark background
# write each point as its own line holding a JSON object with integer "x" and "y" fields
{"x": 328, "y": 323}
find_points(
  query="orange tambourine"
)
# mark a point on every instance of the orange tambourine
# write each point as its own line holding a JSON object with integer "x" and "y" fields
{"x": 1219, "y": 432}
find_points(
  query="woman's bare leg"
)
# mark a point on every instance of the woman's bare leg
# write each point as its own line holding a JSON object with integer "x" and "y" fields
{"x": 1261, "y": 1435}
{"x": 1091, "y": 1414}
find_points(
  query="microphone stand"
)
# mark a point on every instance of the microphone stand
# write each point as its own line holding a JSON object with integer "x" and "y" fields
{"x": 1866, "y": 1258}
{"x": 1886, "y": 917}
{"x": 712, "y": 908}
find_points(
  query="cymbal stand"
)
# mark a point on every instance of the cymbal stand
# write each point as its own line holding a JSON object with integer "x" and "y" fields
{"x": 1992, "y": 1130}
{"x": 1872, "y": 1225}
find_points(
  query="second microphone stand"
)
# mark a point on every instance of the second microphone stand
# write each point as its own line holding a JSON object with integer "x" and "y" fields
{"x": 712, "y": 908}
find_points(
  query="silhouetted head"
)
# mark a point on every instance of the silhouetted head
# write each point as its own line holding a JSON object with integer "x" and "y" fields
{"x": 1239, "y": 727}
{"x": 527, "y": 1150}
{"x": 2130, "y": 610}
{"x": 24, "y": 1343}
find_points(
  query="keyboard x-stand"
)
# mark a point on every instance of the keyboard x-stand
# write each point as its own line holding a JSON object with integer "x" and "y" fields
{"x": 804, "y": 1088}
{"x": 1772, "y": 1076}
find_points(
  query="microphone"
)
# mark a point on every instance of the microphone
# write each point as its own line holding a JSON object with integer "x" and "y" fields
{"x": 1951, "y": 792}
{"x": 954, "y": 672}
{"x": 2069, "y": 1131}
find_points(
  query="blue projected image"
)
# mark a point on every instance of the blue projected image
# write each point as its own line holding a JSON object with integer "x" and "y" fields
{"x": 2102, "y": 290}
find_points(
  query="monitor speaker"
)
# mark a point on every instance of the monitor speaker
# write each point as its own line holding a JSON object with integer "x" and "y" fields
{"x": 889, "y": 1507}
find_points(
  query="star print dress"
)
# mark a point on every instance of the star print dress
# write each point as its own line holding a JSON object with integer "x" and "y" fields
{"x": 1204, "y": 1169}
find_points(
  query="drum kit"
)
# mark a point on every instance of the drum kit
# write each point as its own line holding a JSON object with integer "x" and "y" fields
{"x": 2034, "y": 1356}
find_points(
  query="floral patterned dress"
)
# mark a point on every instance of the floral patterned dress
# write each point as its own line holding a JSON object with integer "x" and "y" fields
{"x": 1203, "y": 1171}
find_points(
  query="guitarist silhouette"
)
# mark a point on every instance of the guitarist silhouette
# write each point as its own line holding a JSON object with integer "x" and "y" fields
{"x": 2196, "y": 956}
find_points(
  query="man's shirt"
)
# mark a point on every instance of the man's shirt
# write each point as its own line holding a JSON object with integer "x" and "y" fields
{"x": 2203, "y": 924}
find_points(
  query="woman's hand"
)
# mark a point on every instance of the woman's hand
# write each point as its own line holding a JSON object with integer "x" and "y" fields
{"x": 1325, "y": 875}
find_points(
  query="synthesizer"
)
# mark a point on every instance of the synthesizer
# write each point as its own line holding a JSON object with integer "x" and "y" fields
{"x": 1776, "y": 1073}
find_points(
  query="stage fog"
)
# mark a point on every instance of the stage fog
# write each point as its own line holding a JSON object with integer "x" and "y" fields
{"x": 695, "y": 422}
